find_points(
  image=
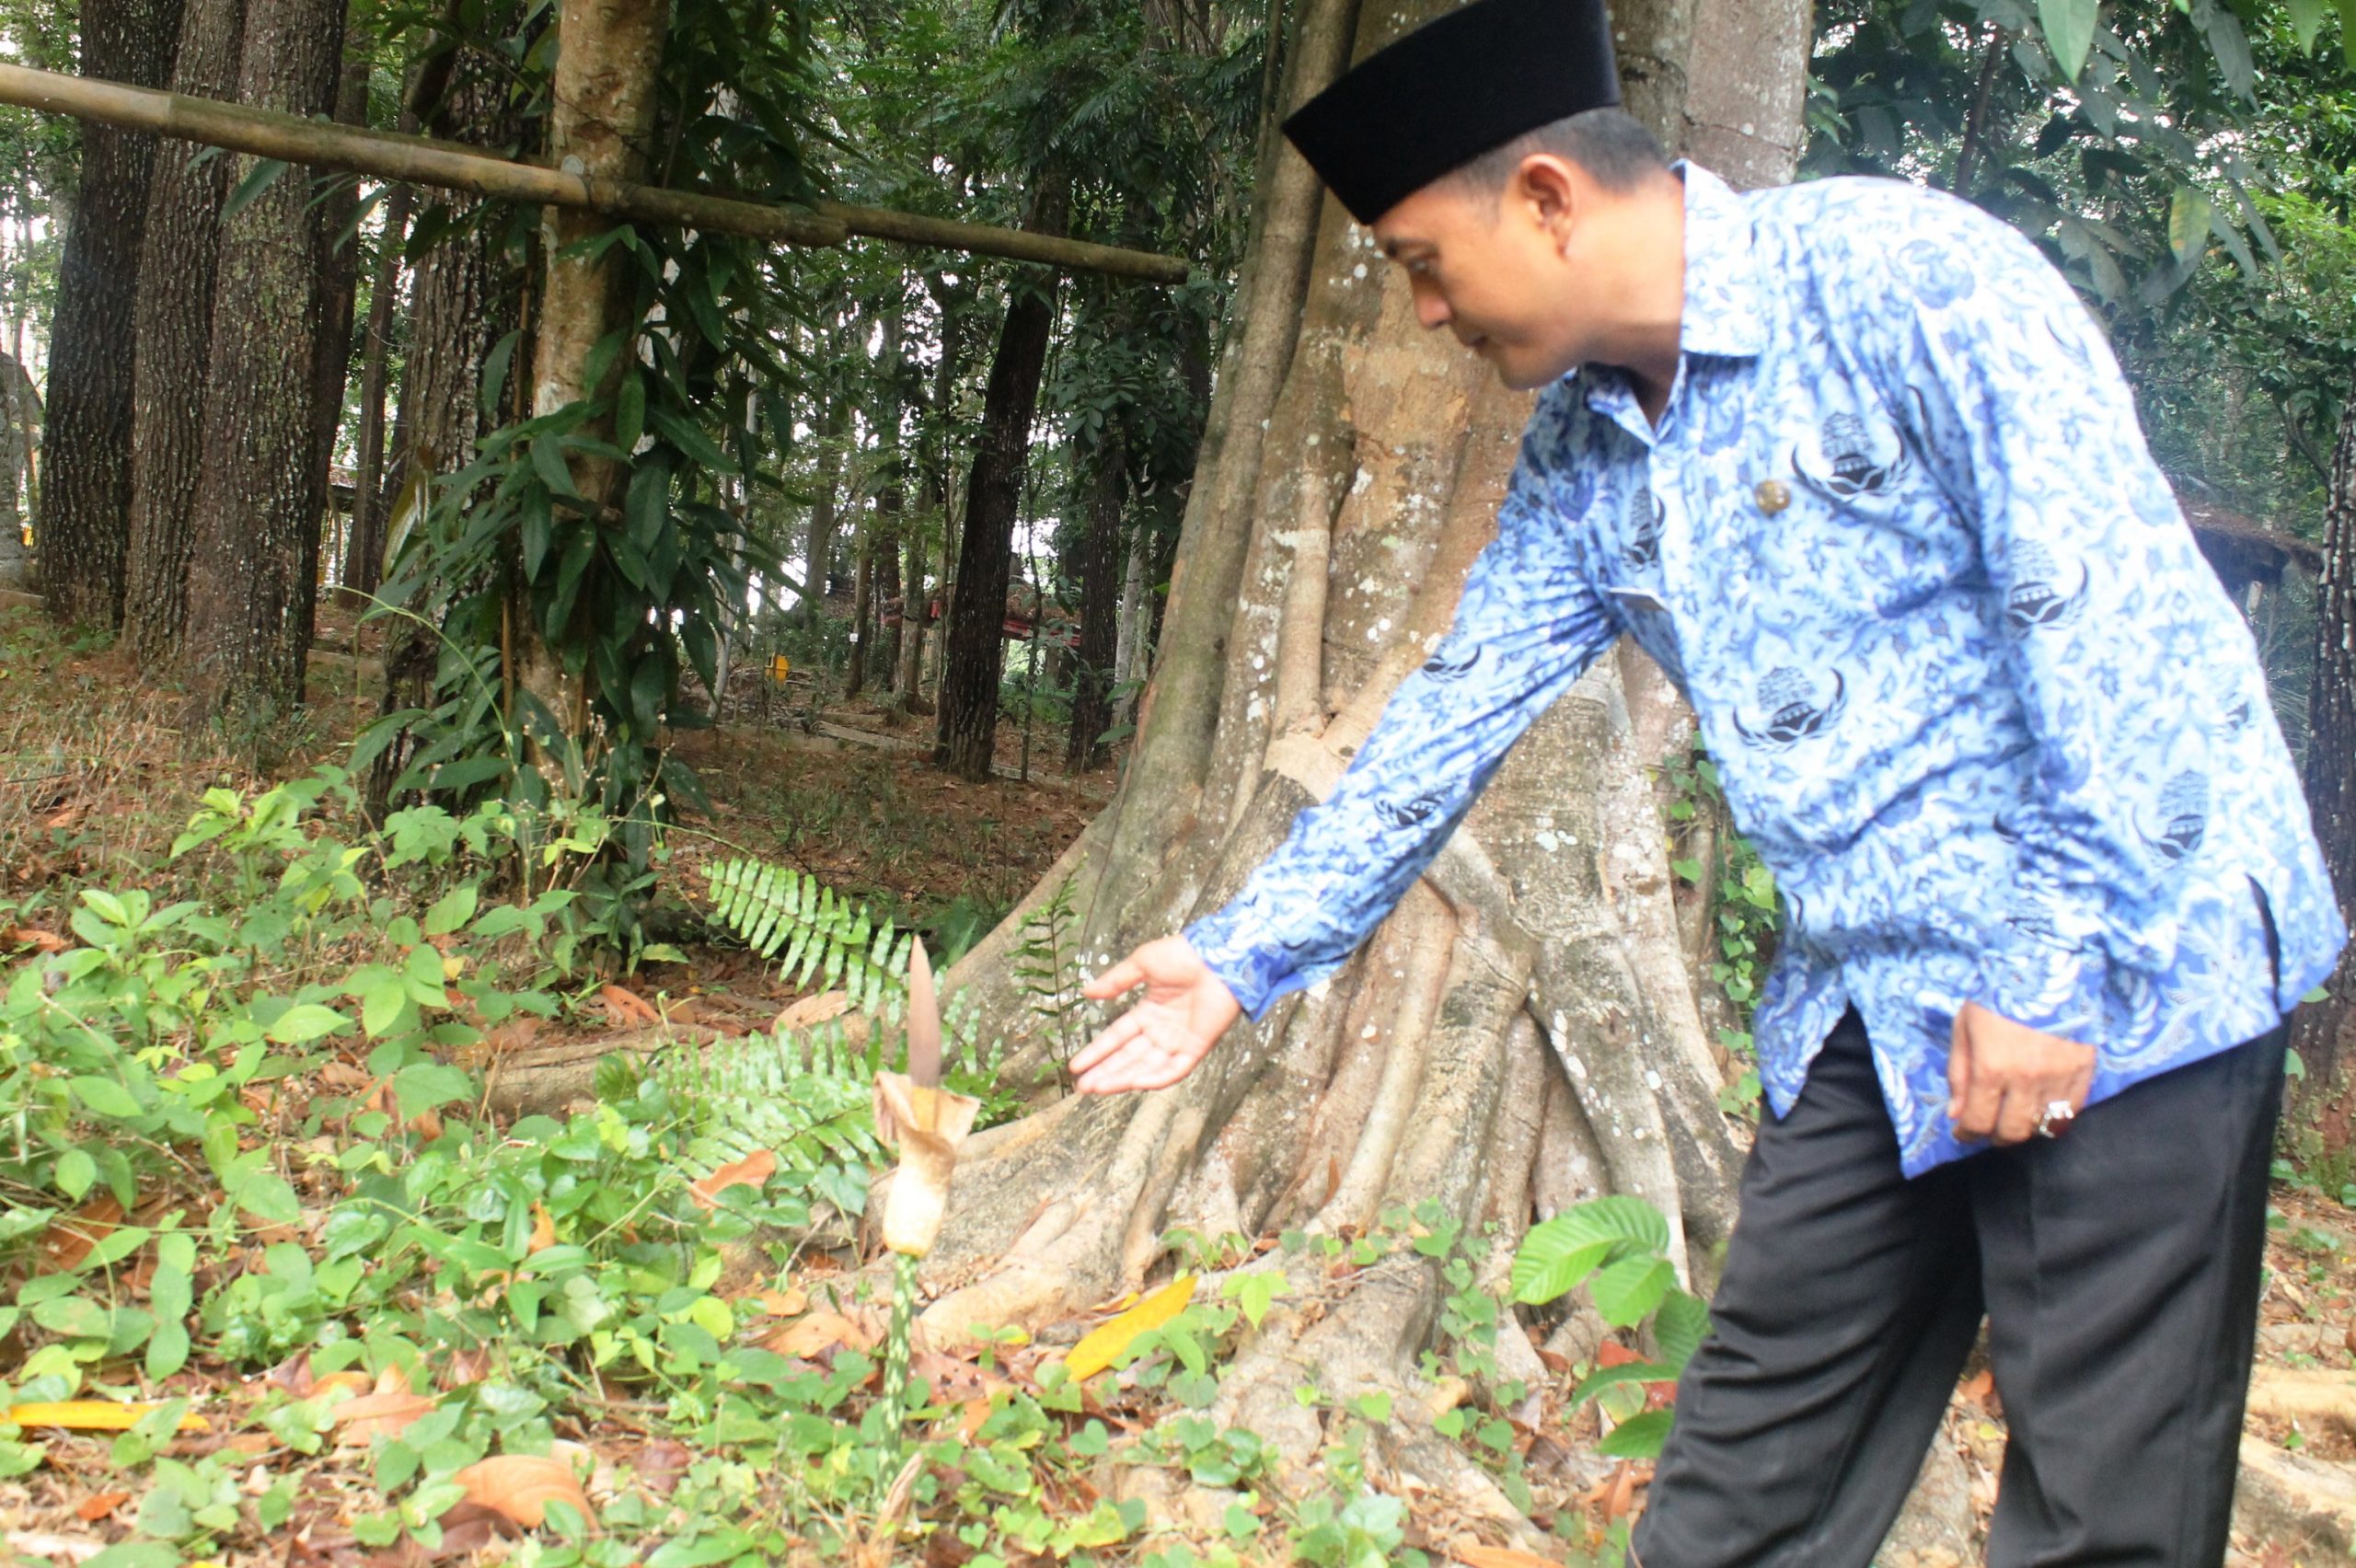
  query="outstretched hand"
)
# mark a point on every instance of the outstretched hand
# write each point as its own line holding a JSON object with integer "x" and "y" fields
{"x": 1185, "y": 1010}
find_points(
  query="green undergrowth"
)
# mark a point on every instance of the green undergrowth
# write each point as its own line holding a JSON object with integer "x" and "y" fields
{"x": 250, "y": 1178}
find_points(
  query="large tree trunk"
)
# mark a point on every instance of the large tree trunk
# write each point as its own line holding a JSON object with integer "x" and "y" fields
{"x": 976, "y": 652}
{"x": 1521, "y": 1033}
{"x": 256, "y": 516}
{"x": 609, "y": 57}
{"x": 85, "y": 491}
{"x": 2321, "y": 1031}
{"x": 1099, "y": 595}
{"x": 173, "y": 331}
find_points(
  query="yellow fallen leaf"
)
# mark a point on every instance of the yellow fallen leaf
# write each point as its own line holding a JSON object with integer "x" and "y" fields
{"x": 94, "y": 1416}
{"x": 1103, "y": 1344}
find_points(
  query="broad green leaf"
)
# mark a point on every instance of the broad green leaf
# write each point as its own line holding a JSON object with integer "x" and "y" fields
{"x": 451, "y": 910}
{"x": 1558, "y": 1253}
{"x": 425, "y": 1085}
{"x": 105, "y": 1096}
{"x": 2069, "y": 32}
{"x": 304, "y": 1022}
{"x": 1640, "y": 1438}
{"x": 2188, "y": 217}
{"x": 77, "y": 1172}
{"x": 1628, "y": 1289}
{"x": 2307, "y": 20}
{"x": 2228, "y": 45}
{"x": 265, "y": 1195}
{"x": 1683, "y": 1323}
{"x": 261, "y": 177}
{"x": 1596, "y": 1382}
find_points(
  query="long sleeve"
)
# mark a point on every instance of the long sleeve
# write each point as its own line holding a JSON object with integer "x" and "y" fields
{"x": 2114, "y": 624}
{"x": 1528, "y": 625}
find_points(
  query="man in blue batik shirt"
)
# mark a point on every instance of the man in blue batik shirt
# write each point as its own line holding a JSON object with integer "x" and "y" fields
{"x": 1852, "y": 462}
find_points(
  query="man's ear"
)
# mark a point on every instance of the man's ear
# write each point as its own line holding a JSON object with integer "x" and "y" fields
{"x": 1548, "y": 188}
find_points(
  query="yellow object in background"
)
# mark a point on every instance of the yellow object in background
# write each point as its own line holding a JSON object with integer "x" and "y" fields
{"x": 94, "y": 1416}
{"x": 779, "y": 667}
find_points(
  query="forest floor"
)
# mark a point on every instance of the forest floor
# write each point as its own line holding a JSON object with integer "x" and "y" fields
{"x": 408, "y": 1395}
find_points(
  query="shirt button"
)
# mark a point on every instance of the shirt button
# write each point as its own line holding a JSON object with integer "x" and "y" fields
{"x": 1772, "y": 496}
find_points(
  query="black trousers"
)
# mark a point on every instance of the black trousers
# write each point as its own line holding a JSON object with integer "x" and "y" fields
{"x": 2119, "y": 1269}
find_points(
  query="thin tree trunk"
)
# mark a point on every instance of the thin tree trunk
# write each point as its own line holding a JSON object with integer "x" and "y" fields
{"x": 609, "y": 56}
{"x": 879, "y": 540}
{"x": 173, "y": 331}
{"x": 85, "y": 519}
{"x": 338, "y": 259}
{"x": 463, "y": 299}
{"x": 364, "y": 562}
{"x": 255, "y": 521}
{"x": 975, "y": 656}
{"x": 2321, "y": 1031}
{"x": 821, "y": 547}
{"x": 1099, "y": 557}
{"x": 862, "y": 594}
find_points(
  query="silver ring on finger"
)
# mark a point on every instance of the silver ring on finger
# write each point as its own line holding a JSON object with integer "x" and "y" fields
{"x": 2056, "y": 1119}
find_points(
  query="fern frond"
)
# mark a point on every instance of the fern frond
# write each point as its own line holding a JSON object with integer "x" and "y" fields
{"x": 814, "y": 933}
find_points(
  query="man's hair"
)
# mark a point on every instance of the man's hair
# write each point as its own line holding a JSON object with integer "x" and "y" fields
{"x": 1612, "y": 145}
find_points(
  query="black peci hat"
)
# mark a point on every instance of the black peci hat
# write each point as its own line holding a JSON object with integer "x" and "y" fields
{"x": 1449, "y": 91}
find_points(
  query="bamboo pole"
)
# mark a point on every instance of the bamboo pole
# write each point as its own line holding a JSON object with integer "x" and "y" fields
{"x": 422, "y": 160}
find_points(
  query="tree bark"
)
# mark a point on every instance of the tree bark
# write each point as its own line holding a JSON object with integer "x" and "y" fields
{"x": 85, "y": 523}
{"x": 609, "y": 57}
{"x": 337, "y": 251}
{"x": 879, "y": 539}
{"x": 828, "y": 429}
{"x": 364, "y": 562}
{"x": 256, "y": 517}
{"x": 975, "y": 656}
{"x": 862, "y": 604}
{"x": 463, "y": 300}
{"x": 1099, "y": 604}
{"x": 2321, "y": 1031}
{"x": 1519, "y": 1034}
{"x": 173, "y": 334}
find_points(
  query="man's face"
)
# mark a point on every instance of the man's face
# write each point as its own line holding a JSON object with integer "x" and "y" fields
{"x": 1491, "y": 268}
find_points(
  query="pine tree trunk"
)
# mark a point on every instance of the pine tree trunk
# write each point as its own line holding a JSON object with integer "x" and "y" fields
{"x": 1521, "y": 1033}
{"x": 256, "y": 516}
{"x": 2321, "y": 1032}
{"x": 85, "y": 519}
{"x": 1099, "y": 593}
{"x": 173, "y": 331}
{"x": 609, "y": 57}
{"x": 363, "y": 563}
{"x": 975, "y": 656}
{"x": 862, "y": 594}
{"x": 463, "y": 299}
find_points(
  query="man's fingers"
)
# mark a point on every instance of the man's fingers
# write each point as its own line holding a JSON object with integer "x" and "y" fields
{"x": 1959, "y": 1070}
{"x": 2017, "y": 1118}
{"x": 1107, "y": 1041}
{"x": 1116, "y": 980}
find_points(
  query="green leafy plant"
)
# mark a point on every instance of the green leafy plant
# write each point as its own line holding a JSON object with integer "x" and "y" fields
{"x": 1617, "y": 1247}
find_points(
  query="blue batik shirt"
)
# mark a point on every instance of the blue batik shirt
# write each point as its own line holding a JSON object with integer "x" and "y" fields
{"x": 1973, "y": 692}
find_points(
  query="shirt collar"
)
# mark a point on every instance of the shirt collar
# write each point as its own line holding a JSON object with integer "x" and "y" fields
{"x": 1723, "y": 297}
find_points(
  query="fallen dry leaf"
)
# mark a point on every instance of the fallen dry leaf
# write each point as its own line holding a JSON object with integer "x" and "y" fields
{"x": 1623, "y": 1492}
{"x": 808, "y": 1337}
{"x": 521, "y": 1486}
{"x": 822, "y": 1008}
{"x": 750, "y": 1171}
{"x": 661, "y": 1464}
{"x": 98, "y": 1504}
{"x": 94, "y": 1416}
{"x": 1103, "y": 1344}
{"x": 71, "y": 1237}
{"x": 466, "y": 1366}
{"x": 543, "y": 1229}
{"x": 626, "y": 1006}
{"x": 781, "y": 1303}
{"x": 351, "y": 1379}
{"x": 34, "y": 937}
{"x": 1502, "y": 1557}
{"x": 362, "y": 1420}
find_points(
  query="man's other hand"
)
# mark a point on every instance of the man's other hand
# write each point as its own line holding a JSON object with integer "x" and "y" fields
{"x": 1185, "y": 1010}
{"x": 2002, "y": 1076}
